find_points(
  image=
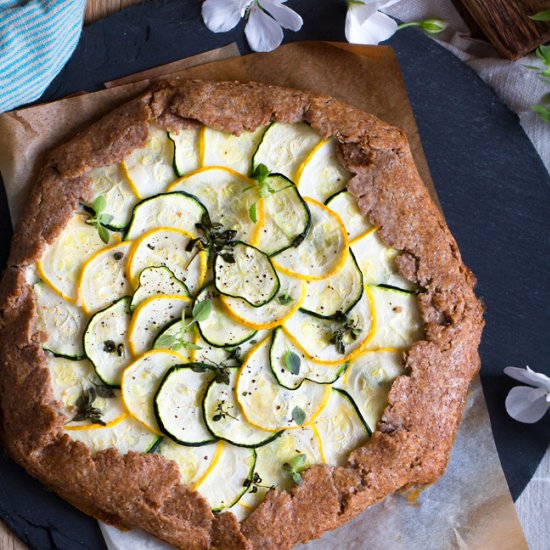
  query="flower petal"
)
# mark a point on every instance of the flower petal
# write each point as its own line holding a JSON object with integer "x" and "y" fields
{"x": 223, "y": 15}
{"x": 262, "y": 31}
{"x": 375, "y": 29}
{"x": 526, "y": 404}
{"x": 362, "y": 12}
{"x": 286, "y": 17}
{"x": 528, "y": 376}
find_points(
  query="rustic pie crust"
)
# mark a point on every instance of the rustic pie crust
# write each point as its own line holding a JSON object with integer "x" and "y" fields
{"x": 412, "y": 444}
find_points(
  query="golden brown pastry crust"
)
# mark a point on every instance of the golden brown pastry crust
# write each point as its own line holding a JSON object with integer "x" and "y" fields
{"x": 414, "y": 438}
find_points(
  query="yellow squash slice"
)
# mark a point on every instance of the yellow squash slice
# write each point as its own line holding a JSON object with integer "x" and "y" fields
{"x": 226, "y": 194}
{"x": 140, "y": 381}
{"x": 321, "y": 175}
{"x": 103, "y": 278}
{"x": 62, "y": 260}
{"x": 345, "y": 205}
{"x": 69, "y": 378}
{"x": 323, "y": 251}
{"x": 284, "y": 147}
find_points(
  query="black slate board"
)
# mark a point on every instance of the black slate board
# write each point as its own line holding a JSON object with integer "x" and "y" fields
{"x": 494, "y": 190}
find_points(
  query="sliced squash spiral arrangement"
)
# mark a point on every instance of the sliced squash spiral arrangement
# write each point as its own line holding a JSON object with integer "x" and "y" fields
{"x": 244, "y": 319}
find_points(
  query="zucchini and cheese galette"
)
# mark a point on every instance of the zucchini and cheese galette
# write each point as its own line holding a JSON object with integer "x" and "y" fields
{"x": 234, "y": 317}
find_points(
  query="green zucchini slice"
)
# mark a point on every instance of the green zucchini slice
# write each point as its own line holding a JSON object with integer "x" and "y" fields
{"x": 62, "y": 260}
{"x": 194, "y": 463}
{"x": 186, "y": 150}
{"x": 247, "y": 273}
{"x": 177, "y": 210}
{"x": 320, "y": 338}
{"x": 235, "y": 152}
{"x": 220, "y": 330}
{"x": 151, "y": 317}
{"x": 291, "y": 372}
{"x": 222, "y": 490}
{"x": 368, "y": 381}
{"x": 151, "y": 168}
{"x": 111, "y": 182}
{"x": 377, "y": 262}
{"x": 321, "y": 175}
{"x": 178, "y": 406}
{"x": 141, "y": 380}
{"x": 106, "y": 341}
{"x": 124, "y": 436}
{"x": 289, "y": 298}
{"x": 345, "y": 205}
{"x": 103, "y": 278}
{"x": 284, "y": 147}
{"x": 227, "y": 195}
{"x": 286, "y": 216}
{"x": 161, "y": 247}
{"x": 341, "y": 428}
{"x": 323, "y": 251}
{"x": 398, "y": 319}
{"x": 268, "y": 405}
{"x": 339, "y": 292}
{"x": 270, "y": 472}
{"x": 157, "y": 280}
{"x": 225, "y": 419}
{"x": 69, "y": 378}
{"x": 62, "y": 323}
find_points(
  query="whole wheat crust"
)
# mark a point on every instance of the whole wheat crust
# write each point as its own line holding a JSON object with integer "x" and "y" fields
{"x": 412, "y": 444}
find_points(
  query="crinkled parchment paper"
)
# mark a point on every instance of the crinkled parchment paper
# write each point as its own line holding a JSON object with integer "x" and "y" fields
{"x": 470, "y": 507}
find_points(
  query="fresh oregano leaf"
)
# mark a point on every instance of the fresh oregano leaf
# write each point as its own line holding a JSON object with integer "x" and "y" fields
{"x": 540, "y": 16}
{"x": 201, "y": 310}
{"x": 292, "y": 362}
{"x": 103, "y": 233}
{"x": 252, "y": 213}
{"x": 294, "y": 467}
{"x": 99, "y": 204}
{"x": 298, "y": 415}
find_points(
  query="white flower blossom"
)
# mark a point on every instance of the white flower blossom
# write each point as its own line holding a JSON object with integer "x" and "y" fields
{"x": 528, "y": 403}
{"x": 266, "y": 20}
{"x": 366, "y": 25}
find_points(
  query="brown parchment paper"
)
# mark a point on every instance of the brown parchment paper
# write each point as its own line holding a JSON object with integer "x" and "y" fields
{"x": 470, "y": 507}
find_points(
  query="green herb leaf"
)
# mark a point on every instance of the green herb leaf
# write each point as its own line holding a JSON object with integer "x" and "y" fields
{"x": 298, "y": 415}
{"x": 201, "y": 310}
{"x": 433, "y": 26}
{"x": 166, "y": 340}
{"x": 543, "y": 112}
{"x": 261, "y": 173}
{"x": 284, "y": 298}
{"x": 252, "y": 213}
{"x": 543, "y": 53}
{"x": 298, "y": 461}
{"x": 99, "y": 204}
{"x": 292, "y": 362}
{"x": 294, "y": 467}
{"x": 541, "y": 16}
{"x": 104, "y": 218}
{"x": 103, "y": 233}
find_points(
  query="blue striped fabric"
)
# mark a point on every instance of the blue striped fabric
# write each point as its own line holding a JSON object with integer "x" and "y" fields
{"x": 37, "y": 37}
